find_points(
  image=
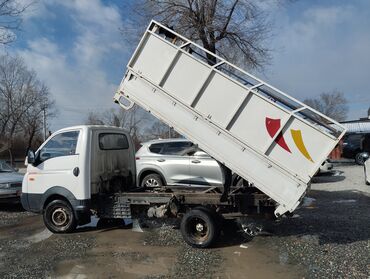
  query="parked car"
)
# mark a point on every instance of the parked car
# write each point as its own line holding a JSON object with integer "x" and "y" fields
{"x": 325, "y": 167}
{"x": 10, "y": 182}
{"x": 352, "y": 147}
{"x": 176, "y": 162}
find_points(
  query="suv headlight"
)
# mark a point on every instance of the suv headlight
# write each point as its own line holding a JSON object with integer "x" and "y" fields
{"x": 4, "y": 185}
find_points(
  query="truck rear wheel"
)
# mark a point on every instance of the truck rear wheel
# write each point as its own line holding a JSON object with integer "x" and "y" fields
{"x": 59, "y": 217}
{"x": 199, "y": 228}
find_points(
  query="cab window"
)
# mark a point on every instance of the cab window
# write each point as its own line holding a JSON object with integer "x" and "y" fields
{"x": 63, "y": 144}
{"x": 110, "y": 141}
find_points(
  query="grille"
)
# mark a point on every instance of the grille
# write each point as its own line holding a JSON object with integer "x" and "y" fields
{"x": 16, "y": 185}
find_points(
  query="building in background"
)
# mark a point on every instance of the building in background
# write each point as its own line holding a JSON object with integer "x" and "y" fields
{"x": 352, "y": 143}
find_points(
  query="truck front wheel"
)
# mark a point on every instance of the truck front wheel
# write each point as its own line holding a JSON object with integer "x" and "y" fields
{"x": 199, "y": 228}
{"x": 59, "y": 217}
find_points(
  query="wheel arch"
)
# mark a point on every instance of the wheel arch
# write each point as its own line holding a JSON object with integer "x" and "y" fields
{"x": 148, "y": 171}
{"x": 58, "y": 192}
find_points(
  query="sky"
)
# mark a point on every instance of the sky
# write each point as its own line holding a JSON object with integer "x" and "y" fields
{"x": 78, "y": 50}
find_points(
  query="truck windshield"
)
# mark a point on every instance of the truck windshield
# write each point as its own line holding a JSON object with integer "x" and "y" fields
{"x": 63, "y": 144}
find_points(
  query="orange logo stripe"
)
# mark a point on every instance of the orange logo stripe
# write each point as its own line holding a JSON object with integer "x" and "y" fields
{"x": 297, "y": 137}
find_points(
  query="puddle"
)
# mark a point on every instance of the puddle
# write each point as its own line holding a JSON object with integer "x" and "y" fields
{"x": 95, "y": 220}
{"x": 307, "y": 201}
{"x": 252, "y": 262}
{"x": 76, "y": 272}
{"x": 344, "y": 201}
{"x": 92, "y": 224}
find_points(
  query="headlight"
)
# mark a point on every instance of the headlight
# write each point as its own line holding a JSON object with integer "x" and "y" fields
{"x": 4, "y": 185}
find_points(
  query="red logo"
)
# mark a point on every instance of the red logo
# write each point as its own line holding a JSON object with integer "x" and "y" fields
{"x": 273, "y": 126}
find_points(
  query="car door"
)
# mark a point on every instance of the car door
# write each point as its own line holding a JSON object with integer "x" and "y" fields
{"x": 57, "y": 164}
{"x": 204, "y": 170}
{"x": 175, "y": 164}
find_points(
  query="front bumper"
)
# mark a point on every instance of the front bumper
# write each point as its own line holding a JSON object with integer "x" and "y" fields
{"x": 35, "y": 203}
{"x": 10, "y": 194}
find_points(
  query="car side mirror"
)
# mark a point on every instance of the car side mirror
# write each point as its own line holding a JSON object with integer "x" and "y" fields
{"x": 201, "y": 154}
{"x": 31, "y": 157}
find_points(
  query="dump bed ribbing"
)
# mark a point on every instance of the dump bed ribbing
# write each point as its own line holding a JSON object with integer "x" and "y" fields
{"x": 269, "y": 138}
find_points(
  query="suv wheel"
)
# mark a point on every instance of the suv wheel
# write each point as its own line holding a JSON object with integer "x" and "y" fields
{"x": 151, "y": 181}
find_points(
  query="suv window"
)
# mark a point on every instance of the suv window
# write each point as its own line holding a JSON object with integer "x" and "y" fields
{"x": 63, "y": 144}
{"x": 353, "y": 139}
{"x": 112, "y": 141}
{"x": 156, "y": 147}
{"x": 176, "y": 148}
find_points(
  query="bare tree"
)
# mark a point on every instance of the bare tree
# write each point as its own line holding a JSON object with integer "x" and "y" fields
{"x": 332, "y": 104}
{"x": 236, "y": 30}
{"x": 131, "y": 120}
{"x": 159, "y": 130}
{"x": 31, "y": 122}
{"x": 22, "y": 96}
{"x": 10, "y": 18}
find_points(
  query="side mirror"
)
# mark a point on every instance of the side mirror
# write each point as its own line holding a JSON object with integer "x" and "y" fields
{"x": 31, "y": 157}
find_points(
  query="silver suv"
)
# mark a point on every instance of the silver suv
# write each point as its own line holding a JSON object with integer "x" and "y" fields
{"x": 176, "y": 162}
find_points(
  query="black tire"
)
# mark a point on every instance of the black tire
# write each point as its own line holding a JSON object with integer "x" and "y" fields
{"x": 359, "y": 159}
{"x": 216, "y": 217}
{"x": 151, "y": 181}
{"x": 59, "y": 217}
{"x": 199, "y": 229}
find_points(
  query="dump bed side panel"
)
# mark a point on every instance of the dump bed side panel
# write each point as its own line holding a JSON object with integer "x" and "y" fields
{"x": 258, "y": 131}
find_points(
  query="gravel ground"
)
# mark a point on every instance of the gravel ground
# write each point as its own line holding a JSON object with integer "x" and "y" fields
{"x": 33, "y": 253}
{"x": 331, "y": 238}
{"x": 12, "y": 213}
{"x": 191, "y": 263}
{"x": 38, "y": 259}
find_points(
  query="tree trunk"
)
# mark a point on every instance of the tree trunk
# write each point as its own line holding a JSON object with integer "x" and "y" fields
{"x": 30, "y": 139}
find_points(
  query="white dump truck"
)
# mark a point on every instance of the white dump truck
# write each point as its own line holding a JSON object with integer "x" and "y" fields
{"x": 271, "y": 140}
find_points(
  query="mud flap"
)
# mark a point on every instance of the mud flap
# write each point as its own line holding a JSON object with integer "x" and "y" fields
{"x": 136, "y": 226}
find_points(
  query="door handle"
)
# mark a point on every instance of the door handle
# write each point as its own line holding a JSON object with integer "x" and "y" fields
{"x": 195, "y": 161}
{"x": 76, "y": 171}
{"x": 161, "y": 160}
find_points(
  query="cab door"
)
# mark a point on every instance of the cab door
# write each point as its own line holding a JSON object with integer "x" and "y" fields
{"x": 57, "y": 164}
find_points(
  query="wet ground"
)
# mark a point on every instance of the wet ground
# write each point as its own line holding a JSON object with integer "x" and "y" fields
{"x": 329, "y": 238}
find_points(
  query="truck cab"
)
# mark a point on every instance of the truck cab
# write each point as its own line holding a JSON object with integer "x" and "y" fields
{"x": 72, "y": 168}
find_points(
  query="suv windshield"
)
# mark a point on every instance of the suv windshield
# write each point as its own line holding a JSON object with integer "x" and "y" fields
{"x": 4, "y": 167}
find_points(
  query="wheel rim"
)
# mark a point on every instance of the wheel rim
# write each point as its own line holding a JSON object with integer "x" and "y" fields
{"x": 60, "y": 217}
{"x": 151, "y": 182}
{"x": 359, "y": 159}
{"x": 198, "y": 230}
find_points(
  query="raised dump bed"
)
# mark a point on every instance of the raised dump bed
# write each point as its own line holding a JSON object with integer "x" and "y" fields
{"x": 270, "y": 139}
